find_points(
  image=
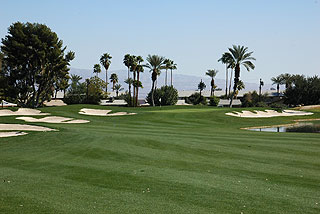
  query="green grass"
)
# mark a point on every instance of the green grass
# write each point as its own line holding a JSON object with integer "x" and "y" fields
{"x": 162, "y": 160}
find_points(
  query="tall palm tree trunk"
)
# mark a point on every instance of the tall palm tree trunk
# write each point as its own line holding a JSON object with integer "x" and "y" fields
{"x": 171, "y": 77}
{"x": 106, "y": 81}
{"x": 212, "y": 84}
{"x": 134, "y": 88}
{"x": 230, "y": 82}
{"x": 236, "y": 80}
{"x": 129, "y": 87}
{"x": 137, "y": 93}
{"x": 226, "y": 80}
{"x": 152, "y": 91}
{"x": 278, "y": 90}
{"x": 166, "y": 76}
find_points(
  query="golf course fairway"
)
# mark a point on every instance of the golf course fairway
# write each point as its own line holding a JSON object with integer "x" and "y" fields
{"x": 180, "y": 159}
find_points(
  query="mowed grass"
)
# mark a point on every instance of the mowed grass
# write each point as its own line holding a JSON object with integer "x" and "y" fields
{"x": 162, "y": 160}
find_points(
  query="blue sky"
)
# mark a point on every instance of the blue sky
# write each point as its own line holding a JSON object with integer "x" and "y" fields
{"x": 284, "y": 34}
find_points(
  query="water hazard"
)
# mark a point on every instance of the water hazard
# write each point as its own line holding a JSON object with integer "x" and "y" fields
{"x": 305, "y": 127}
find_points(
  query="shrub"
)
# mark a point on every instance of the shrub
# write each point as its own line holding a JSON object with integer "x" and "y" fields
{"x": 74, "y": 98}
{"x": 196, "y": 99}
{"x": 278, "y": 106}
{"x": 252, "y": 99}
{"x": 214, "y": 101}
{"x": 129, "y": 99}
{"x": 90, "y": 92}
{"x": 261, "y": 104}
{"x": 164, "y": 96}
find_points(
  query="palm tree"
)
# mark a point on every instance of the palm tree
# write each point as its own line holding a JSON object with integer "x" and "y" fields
{"x": 96, "y": 69}
{"x": 155, "y": 64}
{"x": 139, "y": 69}
{"x": 173, "y": 66}
{"x": 167, "y": 65}
{"x": 105, "y": 61}
{"x": 118, "y": 88}
{"x": 279, "y": 81}
{"x": 240, "y": 87}
{"x": 127, "y": 61}
{"x": 239, "y": 55}
{"x": 114, "y": 80}
{"x": 224, "y": 59}
{"x": 201, "y": 86}
{"x": 212, "y": 73}
{"x": 287, "y": 79}
{"x": 261, "y": 83}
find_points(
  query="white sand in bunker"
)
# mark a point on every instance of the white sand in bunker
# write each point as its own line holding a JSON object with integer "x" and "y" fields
{"x": 21, "y": 111}
{"x": 12, "y": 134}
{"x": 54, "y": 103}
{"x": 20, "y": 127}
{"x": 268, "y": 113}
{"x": 100, "y": 112}
{"x": 52, "y": 119}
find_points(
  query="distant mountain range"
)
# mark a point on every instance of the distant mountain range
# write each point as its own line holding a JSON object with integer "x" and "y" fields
{"x": 181, "y": 82}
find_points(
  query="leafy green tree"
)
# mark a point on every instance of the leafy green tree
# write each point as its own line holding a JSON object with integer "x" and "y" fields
{"x": 95, "y": 90}
{"x": 114, "y": 80}
{"x": 166, "y": 95}
{"x": 196, "y": 99}
{"x": 303, "y": 91}
{"x": 97, "y": 69}
{"x": 1, "y": 59}
{"x": 155, "y": 64}
{"x": 214, "y": 101}
{"x": 105, "y": 61}
{"x": 34, "y": 59}
{"x": 278, "y": 81}
{"x": 238, "y": 55}
{"x": 212, "y": 73}
{"x": 201, "y": 86}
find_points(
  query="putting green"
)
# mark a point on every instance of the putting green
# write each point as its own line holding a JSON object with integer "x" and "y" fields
{"x": 180, "y": 159}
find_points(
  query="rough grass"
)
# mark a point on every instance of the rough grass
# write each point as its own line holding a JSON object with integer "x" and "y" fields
{"x": 162, "y": 160}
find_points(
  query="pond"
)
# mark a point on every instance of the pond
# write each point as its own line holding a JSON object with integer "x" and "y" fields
{"x": 306, "y": 127}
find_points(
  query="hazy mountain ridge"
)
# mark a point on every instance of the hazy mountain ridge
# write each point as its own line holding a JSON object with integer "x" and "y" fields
{"x": 180, "y": 81}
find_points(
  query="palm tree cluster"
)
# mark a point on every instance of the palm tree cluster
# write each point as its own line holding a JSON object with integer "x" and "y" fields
{"x": 282, "y": 79}
{"x": 212, "y": 73}
{"x": 105, "y": 61}
{"x": 133, "y": 63}
{"x": 237, "y": 55}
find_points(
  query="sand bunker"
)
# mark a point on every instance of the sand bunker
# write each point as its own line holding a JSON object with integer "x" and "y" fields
{"x": 21, "y": 111}
{"x": 268, "y": 113}
{"x": 100, "y": 112}
{"x": 54, "y": 103}
{"x": 12, "y": 134}
{"x": 52, "y": 119}
{"x": 23, "y": 127}
{"x": 309, "y": 107}
{"x": 20, "y": 127}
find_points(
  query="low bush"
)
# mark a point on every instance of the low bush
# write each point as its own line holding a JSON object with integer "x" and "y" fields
{"x": 214, "y": 101}
{"x": 164, "y": 96}
{"x": 196, "y": 99}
